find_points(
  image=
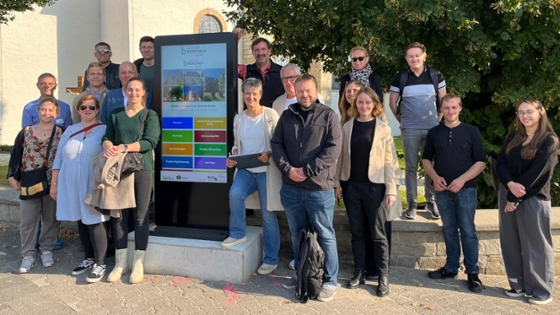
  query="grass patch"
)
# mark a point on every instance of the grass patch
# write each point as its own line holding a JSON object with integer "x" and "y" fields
{"x": 400, "y": 151}
{"x": 3, "y": 173}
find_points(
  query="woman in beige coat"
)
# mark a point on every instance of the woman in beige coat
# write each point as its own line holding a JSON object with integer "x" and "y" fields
{"x": 252, "y": 130}
{"x": 366, "y": 164}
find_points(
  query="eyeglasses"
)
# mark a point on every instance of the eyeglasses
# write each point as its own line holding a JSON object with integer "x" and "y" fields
{"x": 361, "y": 58}
{"x": 91, "y": 107}
{"x": 132, "y": 72}
{"x": 102, "y": 51}
{"x": 147, "y": 47}
{"x": 290, "y": 78}
{"x": 527, "y": 113}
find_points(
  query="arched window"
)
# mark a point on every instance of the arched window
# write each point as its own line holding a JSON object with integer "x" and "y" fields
{"x": 209, "y": 21}
{"x": 209, "y": 24}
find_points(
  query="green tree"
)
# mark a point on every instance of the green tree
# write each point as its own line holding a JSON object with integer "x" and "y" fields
{"x": 492, "y": 53}
{"x": 9, "y": 7}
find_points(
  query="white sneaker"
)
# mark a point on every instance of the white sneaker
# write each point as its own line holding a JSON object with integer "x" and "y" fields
{"x": 265, "y": 269}
{"x": 47, "y": 259}
{"x": 26, "y": 264}
{"x": 292, "y": 264}
{"x": 230, "y": 241}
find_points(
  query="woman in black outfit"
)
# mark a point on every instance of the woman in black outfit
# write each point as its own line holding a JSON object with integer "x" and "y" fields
{"x": 525, "y": 167}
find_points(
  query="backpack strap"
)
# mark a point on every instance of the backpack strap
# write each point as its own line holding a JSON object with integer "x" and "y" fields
{"x": 435, "y": 82}
{"x": 402, "y": 83}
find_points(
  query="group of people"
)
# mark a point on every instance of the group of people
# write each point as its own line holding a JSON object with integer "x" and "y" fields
{"x": 315, "y": 151}
{"x": 308, "y": 156}
{"x": 74, "y": 147}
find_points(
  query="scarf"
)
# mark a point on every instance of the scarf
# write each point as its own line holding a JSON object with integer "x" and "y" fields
{"x": 361, "y": 75}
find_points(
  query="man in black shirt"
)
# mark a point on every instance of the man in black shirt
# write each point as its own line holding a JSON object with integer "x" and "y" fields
{"x": 103, "y": 54}
{"x": 458, "y": 153}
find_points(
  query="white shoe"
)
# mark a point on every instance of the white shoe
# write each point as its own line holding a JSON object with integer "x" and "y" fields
{"x": 265, "y": 269}
{"x": 292, "y": 264}
{"x": 230, "y": 241}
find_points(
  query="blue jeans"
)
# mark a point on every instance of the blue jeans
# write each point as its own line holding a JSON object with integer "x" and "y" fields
{"x": 244, "y": 185}
{"x": 304, "y": 206}
{"x": 414, "y": 141}
{"x": 457, "y": 214}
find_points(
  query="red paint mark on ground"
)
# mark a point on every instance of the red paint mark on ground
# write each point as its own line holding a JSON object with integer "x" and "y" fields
{"x": 229, "y": 288}
{"x": 152, "y": 279}
{"x": 177, "y": 281}
{"x": 277, "y": 284}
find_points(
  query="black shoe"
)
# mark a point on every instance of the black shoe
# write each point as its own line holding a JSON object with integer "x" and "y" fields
{"x": 442, "y": 273}
{"x": 475, "y": 284}
{"x": 372, "y": 276}
{"x": 357, "y": 279}
{"x": 383, "y": 286}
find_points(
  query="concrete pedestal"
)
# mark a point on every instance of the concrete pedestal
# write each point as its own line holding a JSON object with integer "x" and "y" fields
{"x": 205, "y": 260}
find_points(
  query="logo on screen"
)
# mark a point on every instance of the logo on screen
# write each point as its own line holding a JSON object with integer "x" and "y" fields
{"x": 167, "y": 177}
{"x": 178, "y": 177}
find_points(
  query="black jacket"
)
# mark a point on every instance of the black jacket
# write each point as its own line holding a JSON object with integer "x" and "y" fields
{"x": 112, "y": 80}
{"x": 138, "y": 64}
{"x": 313, "y": 145}
{"x": 374, "y": 83}
{"x": 272, "y": 84}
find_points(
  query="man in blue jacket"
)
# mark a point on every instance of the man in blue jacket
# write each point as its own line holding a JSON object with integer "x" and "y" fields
{"x": 46, "y": 83}
{"x": 117, "y": 98}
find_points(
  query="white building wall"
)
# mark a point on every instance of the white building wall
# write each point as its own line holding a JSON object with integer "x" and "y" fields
{"x": 54, "y": 39}
{"x": 60, "y": 39}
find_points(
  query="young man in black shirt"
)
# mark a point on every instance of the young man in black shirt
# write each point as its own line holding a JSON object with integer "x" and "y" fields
{"x": 458, "y": 153}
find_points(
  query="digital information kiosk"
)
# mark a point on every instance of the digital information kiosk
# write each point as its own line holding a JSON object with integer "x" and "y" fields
{"x": 196, "y": 99}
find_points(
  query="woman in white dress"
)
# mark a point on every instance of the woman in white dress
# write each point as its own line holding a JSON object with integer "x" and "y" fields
{"x": 73, "y": 173}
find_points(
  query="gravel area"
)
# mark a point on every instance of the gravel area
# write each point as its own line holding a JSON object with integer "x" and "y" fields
{"x": 4, "y": 158}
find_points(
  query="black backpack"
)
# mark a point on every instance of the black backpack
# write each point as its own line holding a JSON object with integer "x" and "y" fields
{"x": 309, "y": 268}
{"x": 402, "y": 83}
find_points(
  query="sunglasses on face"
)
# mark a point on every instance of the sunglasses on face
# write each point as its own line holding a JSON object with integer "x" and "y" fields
{"x": 91, "y": 107}
{"x": 361, "y": 58}
{"x": 102, "y": 51}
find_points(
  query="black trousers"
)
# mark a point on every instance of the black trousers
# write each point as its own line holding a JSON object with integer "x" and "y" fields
{"x": 142, "y": 189}
{"x": 367, "y": 225}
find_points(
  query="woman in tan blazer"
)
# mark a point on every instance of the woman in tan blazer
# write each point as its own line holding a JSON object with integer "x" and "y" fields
{"x": 366, "y": 164}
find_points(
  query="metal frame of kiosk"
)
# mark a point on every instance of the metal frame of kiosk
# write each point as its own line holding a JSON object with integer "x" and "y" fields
{"x": 196, "y": 100}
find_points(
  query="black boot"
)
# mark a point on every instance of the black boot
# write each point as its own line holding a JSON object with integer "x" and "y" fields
{"x": 383, "y": 286}
{"x": 358, "y": 278}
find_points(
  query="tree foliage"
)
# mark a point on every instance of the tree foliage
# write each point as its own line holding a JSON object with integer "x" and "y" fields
{"x": 492, "y": 53}
{"x": 9, "y": 7}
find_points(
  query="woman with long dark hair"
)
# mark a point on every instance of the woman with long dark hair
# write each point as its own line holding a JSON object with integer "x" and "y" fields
{"x": 525, "y": 166}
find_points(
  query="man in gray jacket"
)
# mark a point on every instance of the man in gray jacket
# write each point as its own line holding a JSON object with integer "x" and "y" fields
{"x": 306, "y": 143}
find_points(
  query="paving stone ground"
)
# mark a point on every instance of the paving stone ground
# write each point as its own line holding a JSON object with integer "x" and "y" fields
{"x": 54, "y": 291}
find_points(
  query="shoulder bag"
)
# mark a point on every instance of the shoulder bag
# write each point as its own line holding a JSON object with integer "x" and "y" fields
{"x": 34, "y": 184}
{"x": 134, "y": 161}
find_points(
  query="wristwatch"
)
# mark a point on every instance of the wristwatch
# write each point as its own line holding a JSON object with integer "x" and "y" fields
{"x": 125, "y": 148}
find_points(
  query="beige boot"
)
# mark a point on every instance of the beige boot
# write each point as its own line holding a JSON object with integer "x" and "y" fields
{"x": 121, "y": 265}
{"x": 137, "y": 274}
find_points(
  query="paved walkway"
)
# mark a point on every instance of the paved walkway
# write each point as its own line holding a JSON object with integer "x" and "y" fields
{"x": 55, "y": 291}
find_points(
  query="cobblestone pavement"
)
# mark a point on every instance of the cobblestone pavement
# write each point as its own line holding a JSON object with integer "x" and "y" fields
{"x": 54, "y": 291}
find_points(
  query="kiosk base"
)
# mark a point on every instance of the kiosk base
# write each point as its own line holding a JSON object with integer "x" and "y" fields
{"x": 202, "y": 259}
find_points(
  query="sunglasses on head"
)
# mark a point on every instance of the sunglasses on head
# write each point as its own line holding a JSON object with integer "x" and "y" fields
{"x": 91, "y": 107}
{"x": 102, "y": 51}
{"x": 361, "y": 58}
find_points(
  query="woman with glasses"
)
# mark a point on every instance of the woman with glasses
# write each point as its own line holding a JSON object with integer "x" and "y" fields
{"x": 361, "y": 71}
{"x": 525, "y": 166}
{"x": 73, "y": 173}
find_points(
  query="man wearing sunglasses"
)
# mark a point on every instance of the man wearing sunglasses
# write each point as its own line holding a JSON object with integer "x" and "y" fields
{"x": 263, "y": 69}
{"x": 103, "y": 54}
